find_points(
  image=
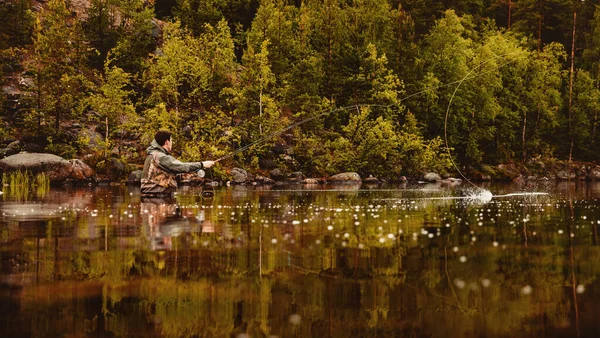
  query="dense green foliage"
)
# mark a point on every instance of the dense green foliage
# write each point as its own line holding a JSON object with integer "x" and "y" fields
{"x": 490, "y": 80}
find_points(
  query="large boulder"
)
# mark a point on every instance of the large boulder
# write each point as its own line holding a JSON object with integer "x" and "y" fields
{"x": 350, "y": 177}
{"x": 56, "y": 167}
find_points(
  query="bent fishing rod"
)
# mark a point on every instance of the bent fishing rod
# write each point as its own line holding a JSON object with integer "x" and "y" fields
{"x": 458, "y": 83}
{"x": 280, "y": 131}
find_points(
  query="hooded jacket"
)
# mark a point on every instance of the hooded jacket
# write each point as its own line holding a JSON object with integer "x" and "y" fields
{"x": 160, "y": 169}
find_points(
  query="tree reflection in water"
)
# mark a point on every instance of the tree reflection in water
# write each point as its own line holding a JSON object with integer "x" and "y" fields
{"x": 300, "y": 263}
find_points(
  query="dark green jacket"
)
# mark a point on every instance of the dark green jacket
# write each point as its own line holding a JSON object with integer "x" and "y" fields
{"x": 160, "y": 169}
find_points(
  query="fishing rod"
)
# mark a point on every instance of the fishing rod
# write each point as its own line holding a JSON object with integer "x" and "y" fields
{"x": 201, "y": 172}
{"x": 468, "y": 76}
{"x": 278, "y": 132}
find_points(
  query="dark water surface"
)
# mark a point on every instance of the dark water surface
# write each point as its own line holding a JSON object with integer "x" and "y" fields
{"x": 416, "y": 261}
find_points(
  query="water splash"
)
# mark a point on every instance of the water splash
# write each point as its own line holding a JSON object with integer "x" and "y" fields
{"x": 480, "y": 195}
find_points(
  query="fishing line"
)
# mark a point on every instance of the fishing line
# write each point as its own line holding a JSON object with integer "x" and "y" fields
{"x": 448, "y": 112}
{"x": 467, "y": 78}
{"x": 357, "y": 106}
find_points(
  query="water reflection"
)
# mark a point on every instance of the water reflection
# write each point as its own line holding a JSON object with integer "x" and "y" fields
{"x": 295, "y": 261}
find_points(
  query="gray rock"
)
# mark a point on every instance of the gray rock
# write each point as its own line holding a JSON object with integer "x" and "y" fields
{"x": 310, "y": 181}
{"x": 56, "y": 167}
{"x": 135, "y": 177}
{"x": 350, "y": 177}
{"x": 277, "y": 174}
{"x": 263, "y": 180}
{"x": 240, "y": 175}
{"x": 371, "y": 180}
{"x": 431, "y": 177}
{"x": 565, "y": 175}
{"x": 81, "y": 171}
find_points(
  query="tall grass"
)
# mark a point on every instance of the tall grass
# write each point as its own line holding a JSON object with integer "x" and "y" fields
{"x": 20, "y": 185}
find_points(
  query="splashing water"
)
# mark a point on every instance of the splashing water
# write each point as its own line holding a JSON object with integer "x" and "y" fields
{"x": 482, "y": 195}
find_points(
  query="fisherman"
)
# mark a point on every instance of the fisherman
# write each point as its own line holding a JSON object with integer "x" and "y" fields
{"x": 160, "y": 168}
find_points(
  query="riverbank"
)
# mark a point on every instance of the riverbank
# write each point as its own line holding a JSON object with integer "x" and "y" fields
{"x": 76, "y": 171}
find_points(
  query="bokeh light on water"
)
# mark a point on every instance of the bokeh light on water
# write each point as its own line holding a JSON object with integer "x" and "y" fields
{"x": 288, "y": 262}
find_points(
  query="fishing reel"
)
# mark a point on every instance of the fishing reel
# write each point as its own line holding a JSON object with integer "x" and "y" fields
{"x": 205, "y": 193}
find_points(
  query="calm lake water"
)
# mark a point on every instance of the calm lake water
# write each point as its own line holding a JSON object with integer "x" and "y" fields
{"x": 298, "y": 261}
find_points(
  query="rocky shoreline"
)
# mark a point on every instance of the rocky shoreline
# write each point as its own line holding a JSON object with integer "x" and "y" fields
{"x": 76, "y": 171}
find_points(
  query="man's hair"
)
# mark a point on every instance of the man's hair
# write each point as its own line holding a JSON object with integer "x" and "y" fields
{"x": 162, "y": 136}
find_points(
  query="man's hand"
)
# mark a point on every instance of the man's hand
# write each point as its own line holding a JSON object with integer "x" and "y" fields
{"x": 208, "y": 164}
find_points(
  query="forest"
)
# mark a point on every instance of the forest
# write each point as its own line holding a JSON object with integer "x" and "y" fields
{"x": 379, "y": 87}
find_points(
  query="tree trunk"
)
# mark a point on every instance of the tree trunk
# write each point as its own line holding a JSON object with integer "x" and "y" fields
{"x": 540, "y": 20}
{"x": 571, "y": 75}
{"x": 510, "y": 4}
{"x": 329, "y": 55}
{"x": 260, "y": 109}
{"x": 523, "y": 135}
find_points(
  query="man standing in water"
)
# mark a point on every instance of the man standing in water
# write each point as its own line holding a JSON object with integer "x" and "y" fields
{"x": 160, "y": 168}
